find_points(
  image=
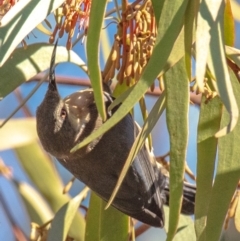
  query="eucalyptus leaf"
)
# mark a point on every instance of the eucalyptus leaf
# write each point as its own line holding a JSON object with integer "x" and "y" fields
{"x": 95, "y": 25}
{"x": 185, "y": 231}
{"x": 63, "y": 219}
{"x": 203, "y": 37}
{"x": 210, "y": 50}
{"x": 26, "y": 63}
{"x": 37, "y": 207}
{"x": 209, "y": 123}
{"x": 43, "y": 174}
{"x": 18, "y": 132}
{"x": 20, "y": 21}
{"x": 233, "y": 54}
{"x": 189, "y": 34}
{"x": 104, "y": 225}
{"x": 44, "y": 30}
{"x": 227, "y": 174}
{"x": 229, "y": 33}
{"x": 177, "y": 105}
{"x": 218, "y": 67}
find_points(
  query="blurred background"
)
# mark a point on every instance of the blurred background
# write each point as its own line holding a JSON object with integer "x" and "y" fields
{"x": 13, "y": 210}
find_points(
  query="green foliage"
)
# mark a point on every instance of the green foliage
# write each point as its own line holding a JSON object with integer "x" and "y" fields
{"x": 177, "y": 96}
{"x": 104, "y": 225}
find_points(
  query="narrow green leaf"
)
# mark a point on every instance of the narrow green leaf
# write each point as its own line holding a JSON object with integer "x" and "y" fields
{"x": 227, "y": 176}
{"x": 18, "y": 132}
{"x": 177, "y": 104}
{"x": 37, "y": 207}
{"x": 233, "y": 54}
{"x": 157, "y": 8}
{"x": 149, "y": 123}
{"x": 202, "y": 42}
{"x": 20, "y": 21}
{"x": 94, "y": 30}
{"x": 218, "y": 67}
{"x": 189, "y": 20}
{"x": 229, "y": 28}
{"x": 165, "y": 54}
{"x": 105, "y": 45}
{"x": 185, "y": 230}
{"x": 104, "y": 225}
{"x": 44, "y": 30}
{"x": 210, "y": 50}
{"x": 26, "y": 63}
{"x": 209, "y": 123}
{"x": 43, "y": 174}
{"x": 93, "y": 221}
{"x": 63, "y": 219}
{"x": 121, "y": 91}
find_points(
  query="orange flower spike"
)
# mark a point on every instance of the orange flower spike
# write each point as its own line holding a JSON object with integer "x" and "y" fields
{"x": 144, "y": 23}
{"x": 124, "y": 48}
{"x": 52, "y": 37}
{"x": 153, "y": 25}
{"x": 138, "y": 16}
{"x": 68, "y": 26}
{"x": 118, "y": 48}
{"x": 66, "y": 9}
{"x": 73, "y": 3}
{"x": 147, "y": 18}
{"x": 73, "y": 24}
{"x": 61, "y": 32}
{"x": 69, "y": 44}
{"x": 114, "y": 52}
{"x": 128, "y": 66}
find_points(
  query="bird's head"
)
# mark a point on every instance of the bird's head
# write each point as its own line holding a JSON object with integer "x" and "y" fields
{"x": 62, "y": 123}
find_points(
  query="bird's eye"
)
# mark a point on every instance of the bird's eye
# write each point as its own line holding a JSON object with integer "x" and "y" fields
{"x": 63, "y": 113}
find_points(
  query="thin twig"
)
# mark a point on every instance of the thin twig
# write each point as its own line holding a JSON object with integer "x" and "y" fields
{"x": 20, "y": 99}
{"x": 25, "y": 100}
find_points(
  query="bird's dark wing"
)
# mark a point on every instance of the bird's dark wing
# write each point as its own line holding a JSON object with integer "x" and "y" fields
{"x": 153, "y": 183}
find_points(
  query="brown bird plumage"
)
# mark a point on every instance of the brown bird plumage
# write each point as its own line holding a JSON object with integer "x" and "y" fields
{"x": 62, "y": 123}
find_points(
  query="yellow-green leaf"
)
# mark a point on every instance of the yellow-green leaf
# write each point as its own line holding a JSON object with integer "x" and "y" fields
{"x": 189, "y": 34}
{"x": 44, "y": 30}
{"x": 210, "y": 50}
{"x": 37, "y": 207}
{"x": 21, "y": 20}
{"x": 233, "y": 54}
{"x": 105, "y": 225}
{"x": 94, "y": 30}
{"x": 185, "y": 231}
{"x": 177, "y": 104}
{"x": 227, "y": 175}
{"x": 229, "y": 28}
{"x": 63, "y": 219}
{"x": 18, "y": 132}
{"x": 209, "y": 123}
{"x": 26, "y": 63}
{"x": 43, "y": 174}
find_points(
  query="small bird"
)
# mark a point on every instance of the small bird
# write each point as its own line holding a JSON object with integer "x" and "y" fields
{"x": 62, "y": 123}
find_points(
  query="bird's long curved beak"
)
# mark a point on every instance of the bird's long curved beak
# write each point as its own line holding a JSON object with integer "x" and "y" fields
{"x": 52, "y": 80}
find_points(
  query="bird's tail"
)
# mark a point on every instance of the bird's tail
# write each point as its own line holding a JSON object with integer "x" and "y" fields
{"x": 189, "y": 193}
